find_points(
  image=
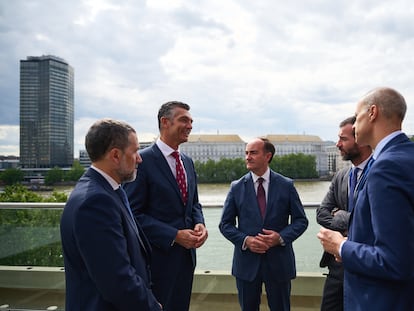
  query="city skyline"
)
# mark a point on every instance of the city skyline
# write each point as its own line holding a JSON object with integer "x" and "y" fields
{"x": 245, "y": 68}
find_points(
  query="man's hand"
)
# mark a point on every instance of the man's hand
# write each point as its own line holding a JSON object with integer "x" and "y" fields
{"x": 256, "y": 245}
{"x": 331, "y": 241}
{"x": 202, "y": 233}
{"x": 269, "y": 237}
{"x": 192, "y": 238}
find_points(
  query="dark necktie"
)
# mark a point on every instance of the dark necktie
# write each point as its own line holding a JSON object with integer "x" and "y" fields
{"x": 352, "y": 183}
{"x": 180, "y": 176}
{"x": 122, "y": 194}
{"x": 261, "y": 196}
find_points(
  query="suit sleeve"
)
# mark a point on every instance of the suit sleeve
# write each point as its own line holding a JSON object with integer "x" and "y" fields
{"x": 385, "y": 248}
{"x": 331, "y": 201}
{"x": 227, "y": 223}
{"x": 299, "y": 222}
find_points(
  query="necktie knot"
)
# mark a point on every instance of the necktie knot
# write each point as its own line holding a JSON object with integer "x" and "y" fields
{"x": 176, "y": 155}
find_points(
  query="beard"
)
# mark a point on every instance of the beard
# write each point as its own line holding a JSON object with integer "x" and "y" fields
{"x": 127, "y": 177}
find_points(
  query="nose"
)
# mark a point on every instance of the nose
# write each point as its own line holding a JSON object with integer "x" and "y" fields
{"x": 338, "y": 144}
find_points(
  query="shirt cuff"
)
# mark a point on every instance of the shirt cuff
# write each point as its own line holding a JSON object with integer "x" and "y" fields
{"x": 244, "y": 246}
{"x": 340, "y": 247}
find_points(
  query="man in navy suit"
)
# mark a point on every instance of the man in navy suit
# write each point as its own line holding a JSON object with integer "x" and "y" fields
{"x": 263, "y": 237}
{"x": 333, "y": 213}
{"x": 106, "y": 254}
{"x": 168, "y": 209}
{"x": 378, "y": 256}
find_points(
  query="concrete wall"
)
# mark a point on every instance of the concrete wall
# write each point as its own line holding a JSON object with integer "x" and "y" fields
{"x": 43, "y": 287}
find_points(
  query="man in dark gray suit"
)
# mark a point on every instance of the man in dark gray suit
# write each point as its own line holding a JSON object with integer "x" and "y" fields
{"x": 333, "y": 212}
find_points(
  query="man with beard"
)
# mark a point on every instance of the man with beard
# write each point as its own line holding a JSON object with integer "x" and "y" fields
{"x": 105, "y": 252}
{"x": 378, "y": 255}
{"x": 333, "y": 213}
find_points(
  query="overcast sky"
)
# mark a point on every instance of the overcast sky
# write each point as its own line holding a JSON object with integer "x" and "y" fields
{"x": 245, "y": 67}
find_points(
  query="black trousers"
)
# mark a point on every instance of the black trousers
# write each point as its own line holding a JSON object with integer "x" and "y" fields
{"x": 333, "y": 291}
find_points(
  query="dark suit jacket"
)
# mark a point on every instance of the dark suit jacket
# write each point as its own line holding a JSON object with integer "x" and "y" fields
{"x": 156, "y": 202}
{"x": 336, "y": 197}
{"x": 241, "y": 205}
{"x": 379, "y": 255}
{"x": 106, "y": 266}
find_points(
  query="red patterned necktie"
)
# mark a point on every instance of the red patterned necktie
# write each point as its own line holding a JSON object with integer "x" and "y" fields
{"x": 261, "y": 196}
{"x": 180, "y": 176}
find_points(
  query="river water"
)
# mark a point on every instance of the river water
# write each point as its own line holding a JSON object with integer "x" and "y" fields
{"x": 217, "y": 252}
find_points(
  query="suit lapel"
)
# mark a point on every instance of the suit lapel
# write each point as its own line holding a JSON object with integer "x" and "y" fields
{"x": 137, "y": 228}
{"x": 250, "y": 195}
{"x": 164, "y": 168}
{"x": 104, "y": 183}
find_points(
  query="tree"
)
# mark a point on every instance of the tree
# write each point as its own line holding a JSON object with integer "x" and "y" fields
{"x": 75, "y": 172}
{"x": 12, "y": 176}
{"x": 54, "y": 175}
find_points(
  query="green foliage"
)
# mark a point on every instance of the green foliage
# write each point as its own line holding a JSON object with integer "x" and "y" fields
{"x": 296, "y": 166}
{"x": 221, "y": 171}
{"x": 19, "y": 193}
{"x": 75, "y": 172}
{"x": 30, "y": 237}
{"x": 12, "y": 176}
{"x": 54, "y": 175}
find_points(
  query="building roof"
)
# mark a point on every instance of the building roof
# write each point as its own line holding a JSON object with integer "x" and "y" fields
{"x": 293, "y": 138}
{"x": 214, "y": 138}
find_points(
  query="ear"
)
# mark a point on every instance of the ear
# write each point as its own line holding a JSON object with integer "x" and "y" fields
{"x": 373, "y": 112}
{"x": 115, "y": 155}
{"x": 268, "y": 156}
{"x": 164, "y": 122}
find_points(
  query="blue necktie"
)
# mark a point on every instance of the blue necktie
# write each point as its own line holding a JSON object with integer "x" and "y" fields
{"x": 352, "y": 185}
{"x": 122, "y": 194}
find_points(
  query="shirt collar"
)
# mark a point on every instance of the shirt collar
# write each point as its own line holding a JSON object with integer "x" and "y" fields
{"x": 165, "y": 149}
{"x": 108, "y": 178}
{"x": 383, "y": 142}
{"x": 362, "y": 165}
{"x": 265, "y": 176}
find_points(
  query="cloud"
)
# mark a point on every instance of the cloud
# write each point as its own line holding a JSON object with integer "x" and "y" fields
{"x": 245, "y": 67}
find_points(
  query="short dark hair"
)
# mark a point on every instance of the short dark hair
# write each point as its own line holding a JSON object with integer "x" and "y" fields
{"x": 106, "y": 134}
{"x": 349, "y": 120}
{"x": 268, "y": 147}
{"x": 166, "y": 110}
